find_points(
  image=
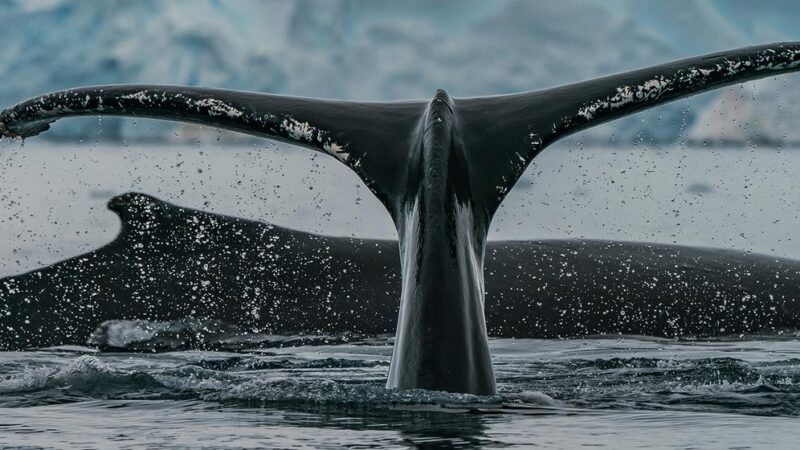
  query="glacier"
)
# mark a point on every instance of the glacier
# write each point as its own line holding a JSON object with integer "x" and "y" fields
{"x": 381, "y": 50}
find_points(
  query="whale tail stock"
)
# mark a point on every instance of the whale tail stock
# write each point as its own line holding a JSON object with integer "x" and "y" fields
{"x": 441, "y": 168}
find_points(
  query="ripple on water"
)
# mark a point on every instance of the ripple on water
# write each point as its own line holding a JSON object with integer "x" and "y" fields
{"x": 338, "y": 387}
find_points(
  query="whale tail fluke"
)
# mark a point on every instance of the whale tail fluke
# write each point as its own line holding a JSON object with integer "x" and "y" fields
{"x": 502, "y": 134}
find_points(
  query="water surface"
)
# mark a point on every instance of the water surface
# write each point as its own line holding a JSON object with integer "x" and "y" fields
{"x": 624, "y": 392}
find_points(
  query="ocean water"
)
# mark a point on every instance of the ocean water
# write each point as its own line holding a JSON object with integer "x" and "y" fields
{"x": 328, "y": 391}
{"x": 621, "y": 392}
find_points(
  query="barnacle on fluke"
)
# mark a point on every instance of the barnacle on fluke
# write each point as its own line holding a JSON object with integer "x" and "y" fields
{"x": 441, "y": 168}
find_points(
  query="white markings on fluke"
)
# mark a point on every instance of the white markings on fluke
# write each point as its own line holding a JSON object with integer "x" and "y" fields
{"x": 655, "y": 87}
{"x": 292, "y": 128}
{"x": 141, "y": 97}
{"x": 214, "y": 106}
{"x": 305, "y": 132}
{"x": 299, "y": 131}
{"x": 219, "y": 108}
{"x": 336, "y": 150}
{"x": 48, "y": 107}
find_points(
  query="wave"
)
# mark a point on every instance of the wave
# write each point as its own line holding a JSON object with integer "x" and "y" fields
{"x": 349, "y": 375}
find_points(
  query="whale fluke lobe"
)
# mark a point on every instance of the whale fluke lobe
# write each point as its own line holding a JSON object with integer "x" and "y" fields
{"x": 441, "y": 168}
{"x": 369, "y": 138}
{"x": 510, "y": 130}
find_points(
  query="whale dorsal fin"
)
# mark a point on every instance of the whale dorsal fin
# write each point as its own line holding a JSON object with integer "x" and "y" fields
{"x": 501, "y": 134}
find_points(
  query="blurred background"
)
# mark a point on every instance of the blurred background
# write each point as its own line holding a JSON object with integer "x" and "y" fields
{"x": 716, "y": 170}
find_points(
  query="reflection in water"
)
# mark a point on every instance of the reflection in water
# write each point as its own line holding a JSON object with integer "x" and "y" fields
{"x": 420, "y": 426}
